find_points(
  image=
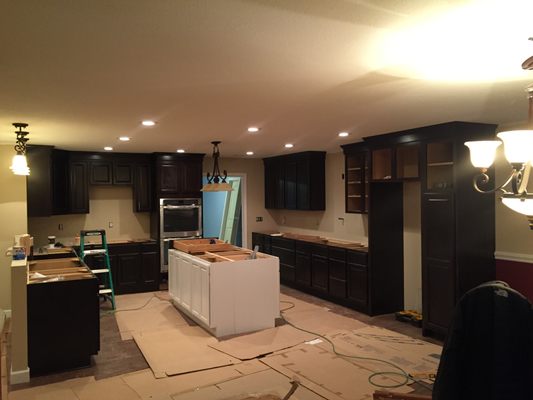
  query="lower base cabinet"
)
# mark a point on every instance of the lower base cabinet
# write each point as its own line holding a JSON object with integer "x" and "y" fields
{"x": 134, "y": 266}
{"x": 63, "y": 324}
{"x": 338, "y": 274}
{"x": 225, "y": 297}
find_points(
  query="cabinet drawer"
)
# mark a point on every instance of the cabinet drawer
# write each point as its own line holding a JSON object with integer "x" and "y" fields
{"x": 357, "y": 257}
{"x": 302, "y": 247}
{"x": 337, "y": 253}
{"x": 337, "y": 287}
{"x": 285, "y": 256}
{"x": 283, "y": 243}
{"x": 337, "y": 269}
{"x": 318, "y": 250}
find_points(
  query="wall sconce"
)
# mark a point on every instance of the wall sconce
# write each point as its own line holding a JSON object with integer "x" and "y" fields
{"x": 518, "y": 149}
{"x": 19, "y": 165}
{"x": 216, "y": 182}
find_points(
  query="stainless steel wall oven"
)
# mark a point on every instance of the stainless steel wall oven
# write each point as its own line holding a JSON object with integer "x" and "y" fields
{"x": 178, "y": 219}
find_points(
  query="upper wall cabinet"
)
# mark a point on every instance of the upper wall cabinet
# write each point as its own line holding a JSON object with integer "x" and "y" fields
{"x": 178, "y": 175}
{"x": 59, "y": 180}
{"x": 296, "y": 181}
{"x": 356, "y": 177}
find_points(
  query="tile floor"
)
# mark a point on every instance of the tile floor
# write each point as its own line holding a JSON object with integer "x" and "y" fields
{"x": 118, "y": 357}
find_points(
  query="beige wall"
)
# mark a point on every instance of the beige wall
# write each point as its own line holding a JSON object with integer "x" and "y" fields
{"x": 334, "y": 222}
{"x": 107, "y": 204}
{"x": 412, "y": 247}
{"x": 253, "y": 198}
{"x": 12, "y": 218}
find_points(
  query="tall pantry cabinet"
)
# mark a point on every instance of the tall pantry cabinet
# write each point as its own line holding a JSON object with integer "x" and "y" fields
{"x": 457, "y": 223}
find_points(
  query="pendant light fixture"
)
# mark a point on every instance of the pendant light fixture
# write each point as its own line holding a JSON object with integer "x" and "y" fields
{"x": 215, "y": 181}
{"x": 19, "y": 165}
{"x": 518, "y": 150}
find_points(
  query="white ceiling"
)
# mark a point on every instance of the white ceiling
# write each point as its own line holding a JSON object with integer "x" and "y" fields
{"x": 82, "y": 73}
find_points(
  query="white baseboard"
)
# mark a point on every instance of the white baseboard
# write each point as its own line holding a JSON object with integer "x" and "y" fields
{"x": 22, "y": 376}
{"x": 503, "y": 255}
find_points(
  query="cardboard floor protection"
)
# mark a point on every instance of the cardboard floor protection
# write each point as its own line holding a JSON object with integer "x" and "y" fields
{"x": 149, "y": 388}
{"x": 324, "y": 373}
{"x": 246, "y": 347}
{"x": 412, "y": 355}
{"x": 291, "y": 304}
{"x": 56, "y": 391}
{"x": 157, "y": 315}
{"x": 105, "y": 389}
{"x": 263, "y": 385}
{"x": 322, "y": 321}
{"x": 180, "y": 350}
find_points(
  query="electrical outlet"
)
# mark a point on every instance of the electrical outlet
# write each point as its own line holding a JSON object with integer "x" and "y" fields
{"x": 258, "y": 219}
{"x": 110, "y": 224}
{"x": 60, "y": 227}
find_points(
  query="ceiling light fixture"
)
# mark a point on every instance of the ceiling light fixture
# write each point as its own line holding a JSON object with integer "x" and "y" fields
{"x": 108, "y": 148}
{"x": 124, "y": 138}
{"x": 19, "y": 165}
{"x": 518, "y": 150}
{"x": 180, "y": 151}
{"x": 289, "y": 145}
{"x": 148, "y": 122}
{"x": 343, "y": 134}
{"x": 253, "y": 129}
{"x": 249, "y": 153}
{"x": 216, "y": 182}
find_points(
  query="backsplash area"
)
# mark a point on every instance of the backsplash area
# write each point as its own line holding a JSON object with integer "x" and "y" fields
{"x": 108, "y": 205}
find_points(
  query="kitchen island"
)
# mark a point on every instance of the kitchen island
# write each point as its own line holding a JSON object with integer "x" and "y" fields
{"x": 225, "y": 291}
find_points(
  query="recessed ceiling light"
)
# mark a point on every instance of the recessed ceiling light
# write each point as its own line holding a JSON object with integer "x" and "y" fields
{"x": 148, "y": 122}
{"x": 253, "y": 129}
{"x": 343, "y": 134}
{"x": 124, "y": 138}
{"x": 180, "y": 151}
{"x": 108, "y": 148}
{"x": 289, "y": 145}
{"x": 249, "y": 153}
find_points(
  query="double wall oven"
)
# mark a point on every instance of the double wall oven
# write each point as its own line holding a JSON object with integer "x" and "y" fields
{"x": 178, "y": 219}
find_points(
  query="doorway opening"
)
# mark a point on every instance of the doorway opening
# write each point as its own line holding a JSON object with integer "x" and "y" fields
{"x": 223, "y": 213}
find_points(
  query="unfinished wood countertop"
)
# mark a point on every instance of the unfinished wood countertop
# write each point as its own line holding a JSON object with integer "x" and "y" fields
{"x": 320, "y": 240}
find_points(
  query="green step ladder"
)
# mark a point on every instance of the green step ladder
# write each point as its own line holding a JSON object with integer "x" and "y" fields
{"x": 106, "y": 279}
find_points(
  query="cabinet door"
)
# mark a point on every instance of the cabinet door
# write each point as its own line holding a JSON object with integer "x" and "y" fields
{"x": 149, "y": 270}
{"x": 79, "y": 188}
{"x": 173, "y": 277}
{"x": 191, "y": 173}
{"x": 279, "y": 188}
{"x": 258, "y": 240}
{"x": 129, "y": 272}
{"x": 290, "y": 184}
{"x": 184, "y": 282}
{"x": 303, "y": 191}
{"x": 438, "y": 252}
{"x": 142, "y": 193}
{"x": 358, "y": 284}
{"x": 200, "y": 292}
{"x": 122, "y": 173}
{"x": 101, "y": 173}
{"x": 319, "y": 273}
{"x": 303, "y": 269}
{"x": 168, "y": 178}
{"x": 39, "y": 182}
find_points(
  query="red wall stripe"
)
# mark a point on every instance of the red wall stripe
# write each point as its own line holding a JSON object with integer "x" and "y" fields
{"x": 519, "y": 275}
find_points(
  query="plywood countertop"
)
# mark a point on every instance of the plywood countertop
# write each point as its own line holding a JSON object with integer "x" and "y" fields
{"x": 320, "y": 240}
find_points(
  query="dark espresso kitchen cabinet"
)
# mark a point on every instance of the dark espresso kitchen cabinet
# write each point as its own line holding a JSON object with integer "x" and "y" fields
{"x": 142, "y": 187}
{"x": 178, "y": 175}
{"x": 134, "y": 266}
{"x": 319, "y": 268}
{"x": 284, "y": 250}
{"x": 101, "y": 172}
{"x": 78, "y": 187}
{"x": 295, "y": 181}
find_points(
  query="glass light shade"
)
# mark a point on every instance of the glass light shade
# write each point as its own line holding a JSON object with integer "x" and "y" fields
{"x": 482, "y": 152}
{"x": 19, "y": 165}
{"x": 518, "y": 145}
{"x": 522, "y": 205}
{"x": 217, "y": 187}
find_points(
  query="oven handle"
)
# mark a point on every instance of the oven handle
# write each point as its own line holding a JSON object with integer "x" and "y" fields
{"x": 180, "y": 207}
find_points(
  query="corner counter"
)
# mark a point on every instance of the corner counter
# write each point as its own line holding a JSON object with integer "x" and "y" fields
{"x": 225, "y": 292}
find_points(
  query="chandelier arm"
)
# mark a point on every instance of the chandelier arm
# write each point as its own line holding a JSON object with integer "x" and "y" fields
{"x": 483, "y": 179}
